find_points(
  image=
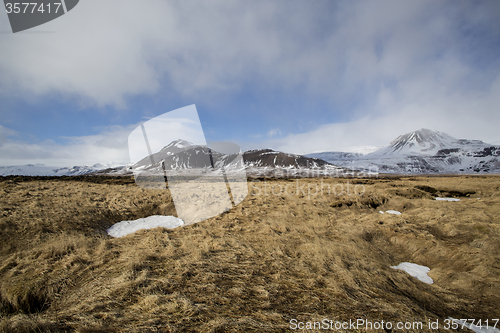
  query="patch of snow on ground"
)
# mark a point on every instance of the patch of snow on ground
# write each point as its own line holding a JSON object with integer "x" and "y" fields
{"x": 395, "y": 212}
{"x": 475, "y": 328}
{"x": 417, "y": 271}
{"x": 447, "y": 199}
{"x": 124, "y": 228}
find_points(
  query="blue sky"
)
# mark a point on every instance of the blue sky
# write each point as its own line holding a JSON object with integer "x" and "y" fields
{"x": 297, "y": 76}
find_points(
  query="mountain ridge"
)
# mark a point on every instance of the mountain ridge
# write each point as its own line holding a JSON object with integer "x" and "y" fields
{"x": 256, "y": 162}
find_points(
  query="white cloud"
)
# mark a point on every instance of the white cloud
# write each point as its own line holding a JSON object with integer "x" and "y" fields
{"x": 472, "y": 115}
{"x": 108, "y": 146}
{"x": 5, "y": 133}
{"x": 389, "y": 66}
{"x": 114, "y": 144}
{"x": 104, "y": 51}
{"x": 273, "y": 132}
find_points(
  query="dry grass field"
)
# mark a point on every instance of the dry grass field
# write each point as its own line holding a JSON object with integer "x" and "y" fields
{"x": 275, "y": 257}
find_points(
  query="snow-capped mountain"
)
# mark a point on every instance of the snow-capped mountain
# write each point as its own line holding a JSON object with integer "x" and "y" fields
{"x": 425, "y": 151}
{"x": 425, "y": 142}
{"x": 271, "y": 158}
{"x": 181, "y": 155}
{"x": 270, "y": 163}
{"x": 43, "y": 170}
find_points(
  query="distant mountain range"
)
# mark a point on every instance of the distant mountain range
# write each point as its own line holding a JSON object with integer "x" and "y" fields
{"x": 421, "y": 152}
{"x": 43, "y": 170}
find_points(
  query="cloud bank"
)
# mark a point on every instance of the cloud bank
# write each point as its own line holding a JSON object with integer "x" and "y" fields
{"x": 110, "y": 146}
{"x": 381, "y": 68}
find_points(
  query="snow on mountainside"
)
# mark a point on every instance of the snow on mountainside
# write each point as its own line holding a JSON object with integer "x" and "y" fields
{"x": 270, "y": 163}
{"x": 181, "y": 155}
{"x": 347, "y": 154}
{"x": 425, "y": 151}
{"x": 43, "y": 170}
{"x": 425, "y": 142}
{"x": 334, "y": 156}
{"x": 176, "y": 146}
{"x": 271, "y": 158}
{"x": 363, "y": 150}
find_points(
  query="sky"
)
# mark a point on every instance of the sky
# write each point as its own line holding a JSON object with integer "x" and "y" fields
{"x": 298, "y": 76}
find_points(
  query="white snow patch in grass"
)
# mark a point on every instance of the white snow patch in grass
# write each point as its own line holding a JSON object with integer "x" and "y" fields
{"x": 417, "y": 271}
{"x": 447, "y": 199}
{"x": 381, "y": 212}
{"x": 395, "y": 212}
{"x": 124, "y": 228}
{"x": 475, "y": 328}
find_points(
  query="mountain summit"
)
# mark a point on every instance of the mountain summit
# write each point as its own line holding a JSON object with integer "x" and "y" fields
{"x": 176, "y": 146}
{"x": 179, "y": 143}
{"x": 424, "y": 142}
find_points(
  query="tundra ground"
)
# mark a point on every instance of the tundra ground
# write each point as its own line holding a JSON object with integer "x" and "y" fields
{"x": 319, "y": 250}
